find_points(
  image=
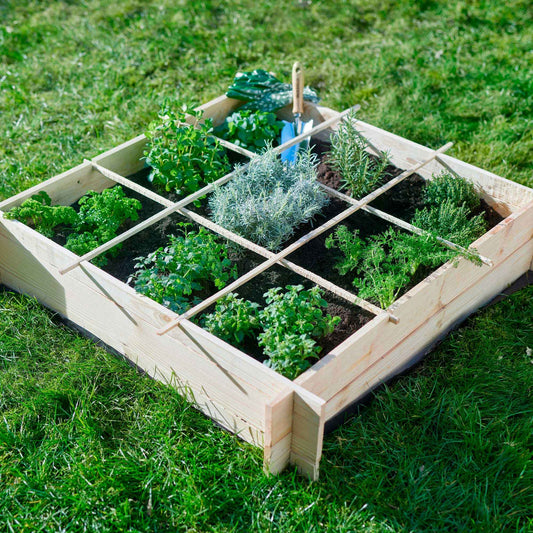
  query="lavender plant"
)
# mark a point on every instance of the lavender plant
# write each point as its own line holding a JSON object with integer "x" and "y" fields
{"x": 268, "y": 199}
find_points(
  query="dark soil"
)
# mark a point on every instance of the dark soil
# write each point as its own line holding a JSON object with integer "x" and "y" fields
{"x": 401, "y": 201}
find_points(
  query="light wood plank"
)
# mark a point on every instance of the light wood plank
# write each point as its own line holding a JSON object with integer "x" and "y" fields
{"x": 376, "y": 338}
{"x": 278, "y": 432}
{"x": 65, "y": 188}
{"x": 217, "y": 373}
{"x": 380, "y": 368}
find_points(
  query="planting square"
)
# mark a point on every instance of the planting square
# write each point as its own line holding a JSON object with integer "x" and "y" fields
{"x": 372, "y": 342}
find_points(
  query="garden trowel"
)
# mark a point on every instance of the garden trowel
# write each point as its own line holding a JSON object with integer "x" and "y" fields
{"x": 293, "y": 129}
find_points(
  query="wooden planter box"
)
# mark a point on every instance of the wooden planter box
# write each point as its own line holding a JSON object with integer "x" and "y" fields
{"x": 286, "y": 418}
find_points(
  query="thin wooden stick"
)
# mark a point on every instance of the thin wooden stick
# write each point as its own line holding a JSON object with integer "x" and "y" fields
{"x": 131, "y": 185}
{"x": 317, "y": 129}
{"x": 194, "y": 196}
{"x": 447, "y": 167}
{"x": 405, "y": 225}
{"x": 245, "y": 243}
{"x": 300, "y": 242}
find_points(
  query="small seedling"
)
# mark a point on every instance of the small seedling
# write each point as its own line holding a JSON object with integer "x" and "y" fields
{"x": 291, "y": 322}
{"x": 360, "y": 171}
{"x": 192, "y": 263}
{"x": 251, "y": 130}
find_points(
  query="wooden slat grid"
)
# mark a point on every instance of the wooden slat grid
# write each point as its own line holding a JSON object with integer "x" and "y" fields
{"x": 272, "y": 258}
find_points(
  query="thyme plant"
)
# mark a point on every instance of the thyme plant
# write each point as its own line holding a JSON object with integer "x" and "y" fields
{"x": 447, "y": 187}
{"x": 268, "y": 199}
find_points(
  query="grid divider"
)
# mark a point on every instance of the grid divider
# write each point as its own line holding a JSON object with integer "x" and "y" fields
{"x": 300, "y": 242}
{"x": 346, "y": 295}
{"x": 198, "y": 194}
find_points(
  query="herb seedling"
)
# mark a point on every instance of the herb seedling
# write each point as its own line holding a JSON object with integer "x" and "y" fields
{"x": 99, "y": 219}
{"x": 291, "y": 322}
{"x": 251, "y": 130}
{"x": 448, "y": 188}
{"x": 192, "y": 263}
{"x": 183, "y": 158}
{"x": 38, "y": 212}
{"x": 233, "y": 319}
{"x": 360, "y": 172}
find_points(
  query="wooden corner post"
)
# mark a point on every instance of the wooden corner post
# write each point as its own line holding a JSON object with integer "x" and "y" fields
{"x": 294, "y": 432}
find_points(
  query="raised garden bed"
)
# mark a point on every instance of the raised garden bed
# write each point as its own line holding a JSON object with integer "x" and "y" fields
{"x": 286, "y": 418}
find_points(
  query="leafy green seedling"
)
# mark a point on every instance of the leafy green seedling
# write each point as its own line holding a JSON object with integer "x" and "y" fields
{"x": 99, "y": 219}
{"x": 233, "y": 319}
{"x": 38, "y": 212}
{"x": 291, "y": 322}
{"x": 192, "y": 263}
{"x": 251, "y": 130}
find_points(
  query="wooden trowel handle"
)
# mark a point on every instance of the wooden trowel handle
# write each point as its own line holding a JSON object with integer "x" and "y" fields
{"x": 297, "y": 88}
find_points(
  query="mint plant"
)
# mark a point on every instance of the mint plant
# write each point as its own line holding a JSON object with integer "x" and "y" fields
{"x": 233, "y": 319}
{"x": 192, "y": 263}
{"x": 360, "y": 172}
{"x": 183, "y": 158}
{"x": 446, "y": 187}
{"x": 251, "y": 130}
{"x": 39, "y": 213}
{"x": 291, "y": 322}
{"x": 268, "y": 199}
{"x": 99, "y": 219}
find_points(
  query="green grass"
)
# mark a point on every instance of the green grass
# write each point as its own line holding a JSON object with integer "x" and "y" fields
{"x": 87, "y": 443}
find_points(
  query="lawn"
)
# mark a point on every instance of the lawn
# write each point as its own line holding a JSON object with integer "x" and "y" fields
{"x": 89, "y": 444}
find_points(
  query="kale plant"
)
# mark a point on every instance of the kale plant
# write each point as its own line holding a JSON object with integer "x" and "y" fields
{"x": 360, "y": 172}
{"x": 38, "y": 212}
{"x": 446, "y": 187}
{"x": 191, "y": 264}
{"x": 100, "y": 217}
{"x": 233, "y": 319}
{"x": 251, "y": 130}
{"x": 267, "y": 199}
{"x": 183, "y": 158}
{"x": 291, "y": 322}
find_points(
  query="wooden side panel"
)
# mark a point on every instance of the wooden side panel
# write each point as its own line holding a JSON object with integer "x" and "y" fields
{"x": 504, "y": 195}
{"x": 219, "y": 108}
{"x": 125, "y": 159}
{"x": 351, "y": 359}
{"x": 382, "y": 367}
{"x": 65, "y": 188}
{"x": 226, "y": 384}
